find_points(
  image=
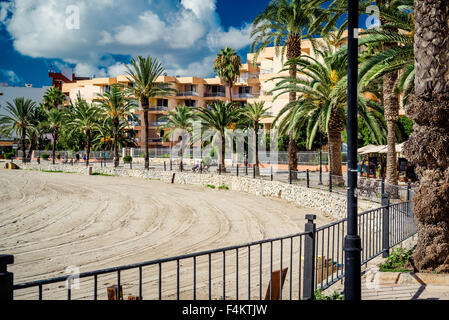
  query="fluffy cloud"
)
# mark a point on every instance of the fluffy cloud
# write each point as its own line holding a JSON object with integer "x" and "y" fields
{"x": 11, "y": 76}
{"x": 183, "y": 35}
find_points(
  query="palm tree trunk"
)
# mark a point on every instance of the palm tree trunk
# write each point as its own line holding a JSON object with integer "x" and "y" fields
{"x": 256, "y": 146}
{"x": 88, "y": 145}
{"x": 223, "y": 152}
{"x": 144, "y": 105}
{"x": 428, "y": 146}
{"x": 335, "y": 155}
{"x": 293, "y": 51}
{"x": 230, "y": 92}
{"x": 23, "y": 143}
{"x": 53, "y": 152}
{"x": 116, "y": 153}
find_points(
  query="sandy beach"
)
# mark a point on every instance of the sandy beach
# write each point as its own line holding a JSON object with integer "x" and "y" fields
{"x": 50, "y": 221}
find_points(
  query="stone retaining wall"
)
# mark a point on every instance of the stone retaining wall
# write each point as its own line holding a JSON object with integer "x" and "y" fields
{"x": 333, "y": 204}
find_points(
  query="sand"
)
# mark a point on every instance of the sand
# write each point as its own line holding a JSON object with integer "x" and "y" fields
{"x": 50, "y": 221}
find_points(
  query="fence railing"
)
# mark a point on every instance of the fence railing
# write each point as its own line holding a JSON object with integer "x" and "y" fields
{"x": 283, "y": 268}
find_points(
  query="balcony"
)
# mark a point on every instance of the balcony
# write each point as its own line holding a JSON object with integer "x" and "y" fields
{"x": 246, "y": 76}
{"x": 215, "y": 94}
{"x": 266, "y": 70}
{"x": 157, "y": 124}
{"x": 134, "y": 123}
{"x": 188, "y": 94}
{"x": 245, "y": 96}
{"x": 158, "y": 108}
{"x": 155, "y": 140}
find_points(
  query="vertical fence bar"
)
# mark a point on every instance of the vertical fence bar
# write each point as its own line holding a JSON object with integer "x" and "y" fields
{"x": 118, "y": 286}
{"x": 260, "y": 271}
{"x": 280, "y": 275}
{"x": 140, "y": 284}
{"x": 309, "y": 258}
{"x": 271, "y": 270}
{"x": 40, "y": 292}
{"x": 224, "y": 275}
{"x": 95, "y": 287}
{"x": 160, "y": 281}
{"x": 237, "y": 274}
{"x": 194, "y": 278}
{"x": 330, "y": 181}
{"x": 385, "y": 226}
{"x": 291, "y": 267}
{"x": 308, "y": 178}
{"x": 249, "y": 273}
{"x": 7, "y": 278}
{"x": 210, "y": 277}
{"x": 300, "y": 268}
{"x": 177, "y": 279}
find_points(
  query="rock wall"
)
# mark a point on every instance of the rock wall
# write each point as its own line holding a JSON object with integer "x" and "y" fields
{"x": 333, "y": 204}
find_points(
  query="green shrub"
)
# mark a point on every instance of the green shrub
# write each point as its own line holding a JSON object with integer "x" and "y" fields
{"x": 142, "y": 155}
{"x": 397, "y": 261}
{"x": 223, "y": 187}
{"x": 101, "y": 174}
{"x": 319, "y": 295}
{"x": 8, "y": 155}
{"x": 211, "y": 186}
{"x": 166, "y": 156}
{"x": 127, "y": 159}
{"x": 45, "y": 156}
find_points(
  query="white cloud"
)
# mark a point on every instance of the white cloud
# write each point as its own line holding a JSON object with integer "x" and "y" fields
{"x": 184, "y": 34}
{"x": 11, "y": 76}
{"x": 118, "y": 69}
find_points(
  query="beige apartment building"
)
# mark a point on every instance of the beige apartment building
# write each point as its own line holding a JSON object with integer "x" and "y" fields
{"x": 254, "y": 84}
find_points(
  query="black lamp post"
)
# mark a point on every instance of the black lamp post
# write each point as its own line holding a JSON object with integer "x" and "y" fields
{"x": 353, "y": 283}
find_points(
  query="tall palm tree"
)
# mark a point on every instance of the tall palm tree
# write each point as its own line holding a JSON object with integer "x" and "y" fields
{"x": 18, "y": 120}
{"x": 395, "y": 40}
{"x": 53, "y": 124}
{"x": 35, "y": 130}
{"x": 322, "y": 101}
{"x": 219, "y": 116}
{"x": 428, "y": 146}
{"x": 103, "y": 138}
{"x": 143, "y": 74}
{"x": 254, "y": 113}
{"x": 116, "y": 107}
{"x": 53, "y": 98}
{"x": 284, "y": 23}
{"x": 180, "y": 119}
{"x": 227, "y": 66}
{"x": 83, "y": 118}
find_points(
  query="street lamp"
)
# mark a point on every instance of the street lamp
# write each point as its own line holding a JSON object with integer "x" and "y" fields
{"x": 353, "y": 282}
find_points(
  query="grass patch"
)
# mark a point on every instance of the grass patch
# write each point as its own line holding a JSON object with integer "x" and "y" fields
{"x": 397, "y": 261}
{"x": 223, "y": 187}
{"x": 211, "y": 186}
{"x": 319, "y": 295}
{"x": 53, "y": 171}
{"x": 102, "y": 174}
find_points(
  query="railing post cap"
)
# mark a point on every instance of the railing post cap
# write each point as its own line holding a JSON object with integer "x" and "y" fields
{"x": 6, "y": 259}
{"x": 310, "y": 217}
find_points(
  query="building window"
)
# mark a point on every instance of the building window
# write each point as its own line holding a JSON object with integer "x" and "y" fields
{"x": 244, "y": 90}
{"x": 190, "y": 103}
{"x": 162, "y": 102}
{"x": 190, "y": 88}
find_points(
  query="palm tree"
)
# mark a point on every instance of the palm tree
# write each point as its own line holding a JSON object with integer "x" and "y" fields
{"x": 227, "y": 66}
{"x": 395, "y": 41}
{"x": 219, "y": 116}
{"x": 284, "y": 24}
{"x": 428, "y": 146}
{"x": 53, "y": 98}
{"x": 18, "y": 120}
{"x": 254, "y": 113}
{"x": 83, "y": 118}
{"x": 102, "y": 140}
{"x": 143, "y": 74}
{"x": 321, "y": 104}
{"x": 53, "y": 124}
{"x": 180, "y": 119}
{"x": 35, "y": 130}
{"x": 116, "y": 106}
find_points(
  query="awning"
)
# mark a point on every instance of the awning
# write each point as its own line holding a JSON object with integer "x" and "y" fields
{"x": 371, "y": 149}
{"x": 398, "y": 148}
{"x": 360, "y": 150}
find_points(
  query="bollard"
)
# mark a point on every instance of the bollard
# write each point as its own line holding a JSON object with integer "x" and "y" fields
{"x": 309, "y": 258}
{"x": 131, "y": 164}
{"x": 246, "y": 168}
{"x": 385, "y": 225}
{"x": 6, "y": 278}
{"x": 254, "y": 172}
{"x": 409, "y": 188}
{"x": 290, "y": 176}
{"x": 101, "y": 162}
{"x": 330, "y": 181}
{"x": 201, "y": 167}
{"x": 308, "y": 178}
{"x": 237, "y": 172}
{"x": 271, "y": 173}
{"x": 181, "y": 166}
{"x": 219, "y": 169}
{"x": 165, "y": 166}
{"x": 171, "y": 165}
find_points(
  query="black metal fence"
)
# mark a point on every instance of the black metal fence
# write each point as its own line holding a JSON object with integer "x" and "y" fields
{"x": 289, "y": 268}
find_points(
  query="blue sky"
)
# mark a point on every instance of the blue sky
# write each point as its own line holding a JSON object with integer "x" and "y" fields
{"x": 31, "y": 39}
{"x": 184, "y": 34}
